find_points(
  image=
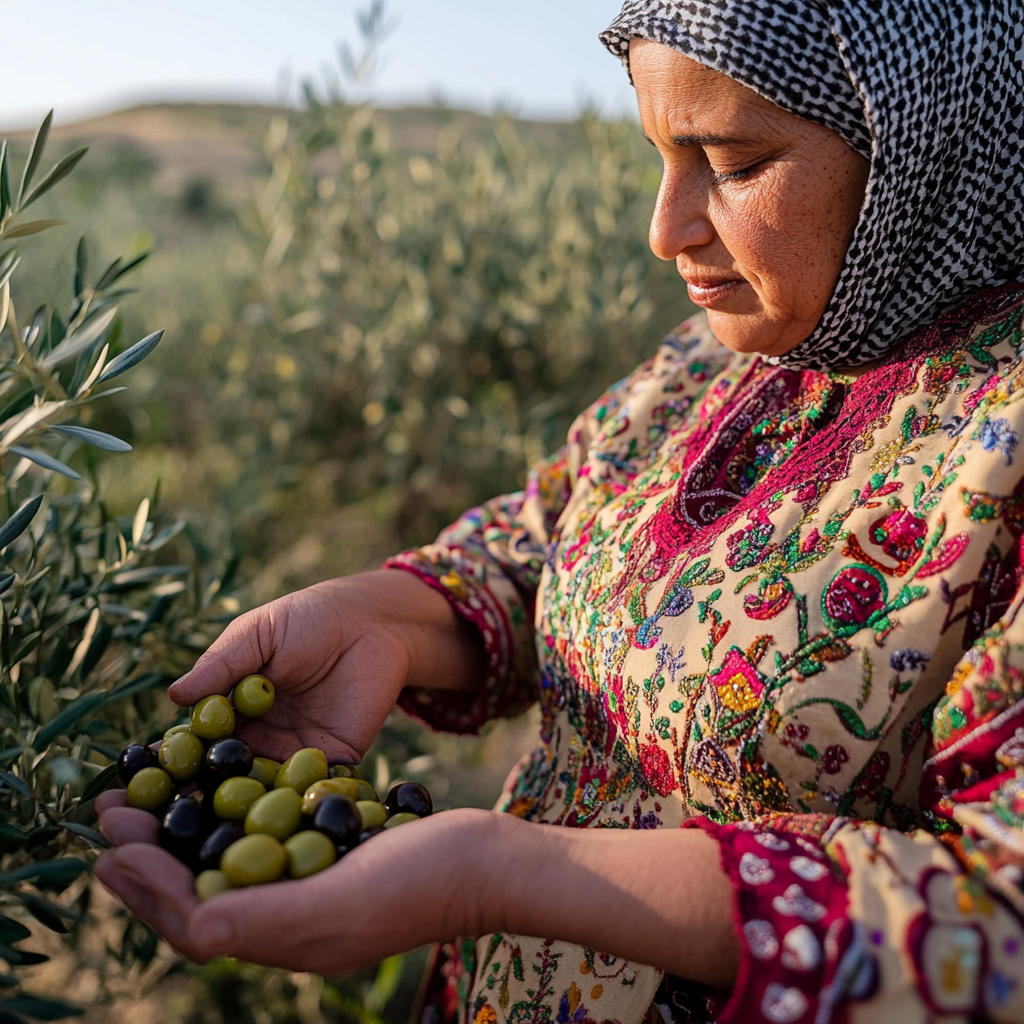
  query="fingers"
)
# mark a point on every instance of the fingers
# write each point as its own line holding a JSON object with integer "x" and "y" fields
{"x": 236, "y": 653}
{"x": 123, "y": 825}
{"x": 155, "y": 887}
{"x": 110, "y": 798}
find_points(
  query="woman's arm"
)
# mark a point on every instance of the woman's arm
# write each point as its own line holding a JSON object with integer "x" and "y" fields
{"x": 655, "y": 897}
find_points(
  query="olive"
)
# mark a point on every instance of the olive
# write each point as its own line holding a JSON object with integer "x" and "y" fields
{"x": 175, "y": 729}
{"x": 302, "y": 769}
{"x": 308, "y": 853}
{"x": 278, "y": 813}
{"x": 340, "y": 771}
{"x": 234, "y": 797}
{"x": 211, "y": 883}
{"x": 213, "y": 718}
{"x": 181, "y": 755}
{"x": 181, "y": 831}
{"x": 150, "y": 789}
{"x": 133, "y": 759}
{"x": 254, "y": 696}
{"x": 325, "y": 787}
{"x": 225, "y": 759}
{"x": 254, "y": 860}
{"x": 369, "y": 834}
{"x": 265, "y": 770}
{"x": 364, "y": 791}
{"x": 338, "y": 818}
{"x": 409, "y": 797}
{"x": 216, "y": 843}
{"x": 400, "y": 819}
{"x": 372, "y": 813}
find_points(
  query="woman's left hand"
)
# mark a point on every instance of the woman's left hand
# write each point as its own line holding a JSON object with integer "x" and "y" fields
{"x": 410, "y": 886}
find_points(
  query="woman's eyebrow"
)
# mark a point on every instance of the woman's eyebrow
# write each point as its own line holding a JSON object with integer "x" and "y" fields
{"x": 702, "y": 140}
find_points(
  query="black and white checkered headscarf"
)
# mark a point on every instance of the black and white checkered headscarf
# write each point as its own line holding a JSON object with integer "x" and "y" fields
{"x": 931, "y": 91}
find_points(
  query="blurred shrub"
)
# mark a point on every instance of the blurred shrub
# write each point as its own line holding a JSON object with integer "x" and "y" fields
{"x": 92, "y": 624}
{"x": 416, "y": 319}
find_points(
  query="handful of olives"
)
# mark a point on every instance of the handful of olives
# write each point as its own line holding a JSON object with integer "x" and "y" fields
{"x": 239, "y": 820}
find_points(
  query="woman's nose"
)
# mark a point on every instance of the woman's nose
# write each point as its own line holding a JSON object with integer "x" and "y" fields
{"x": 680, "y": 218}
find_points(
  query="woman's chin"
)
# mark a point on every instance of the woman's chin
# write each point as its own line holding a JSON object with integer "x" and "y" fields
{"x": 753, "y": 334}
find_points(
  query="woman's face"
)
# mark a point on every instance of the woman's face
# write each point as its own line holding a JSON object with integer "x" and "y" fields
{"x": 757, "y": 206}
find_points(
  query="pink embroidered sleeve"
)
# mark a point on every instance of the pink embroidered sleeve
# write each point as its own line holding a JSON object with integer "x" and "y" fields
{"x": 842, "y": 919}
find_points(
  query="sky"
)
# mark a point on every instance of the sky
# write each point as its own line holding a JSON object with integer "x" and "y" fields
{"x": 535, "y": 57}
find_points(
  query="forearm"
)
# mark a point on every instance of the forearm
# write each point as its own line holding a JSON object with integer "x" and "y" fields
{"x": 657, "y": 897}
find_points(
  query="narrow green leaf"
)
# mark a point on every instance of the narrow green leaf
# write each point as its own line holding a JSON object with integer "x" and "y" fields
{"x": 7, "y": 267}
{"x": 147, "y": 681}
{"x": 97, "y": 438}
{"x": 57, "y": 174}
{"x": 33, "y": 227}
{"x": 48, "y": 914}
{"x": 125, "y": 269}
{"x": 68, "y": 717}
{"x": 15, "y": 526}
{"x": 5, "y": 179}
{"x": 42, "y": 1009}
{"x": 44, "y": 460}
{"x": 12, "y": 931}
{"x": 81, "y": 266}
{"x": 90, "y": 835}
{"x": 92, "y": 330}
{"x": 35, "y": 155}
{"x": 16, "y": 784}
{"x": 127, "y": 359}
{"x": 20, "y": 958}
{"x": 102, "y": 782}
{"x": 59, "y": 873}
{"x": 26, "y": 647}
{"x": 6, "y": 579}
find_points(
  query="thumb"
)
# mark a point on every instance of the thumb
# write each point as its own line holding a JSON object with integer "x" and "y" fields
{"x": 243, "y": 648}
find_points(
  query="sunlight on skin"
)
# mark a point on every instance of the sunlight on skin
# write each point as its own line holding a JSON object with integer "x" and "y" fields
{"x": 757, "y": 206}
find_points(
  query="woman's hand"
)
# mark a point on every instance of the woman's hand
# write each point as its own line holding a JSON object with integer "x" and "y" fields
{"x": 407, "y": 887}
{"x": 338, "y": 654}
{"x": 656, "y": 897}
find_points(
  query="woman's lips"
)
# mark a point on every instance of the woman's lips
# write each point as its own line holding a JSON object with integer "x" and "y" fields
{"x": 711, "y": 294}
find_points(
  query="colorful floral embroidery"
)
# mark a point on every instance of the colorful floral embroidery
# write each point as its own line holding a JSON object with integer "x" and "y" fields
{"x": 782, "y": 603}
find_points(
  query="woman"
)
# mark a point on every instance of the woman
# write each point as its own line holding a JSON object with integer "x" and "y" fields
{"x": 776, "y": 575}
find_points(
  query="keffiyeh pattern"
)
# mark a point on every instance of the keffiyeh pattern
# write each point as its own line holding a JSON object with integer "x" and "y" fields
{"x": 932, "y": 91}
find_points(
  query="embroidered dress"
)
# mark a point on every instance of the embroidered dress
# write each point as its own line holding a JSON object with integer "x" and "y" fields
{"x": 780, "y": 605}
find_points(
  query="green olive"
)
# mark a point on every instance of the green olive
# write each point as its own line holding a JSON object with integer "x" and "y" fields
{"x": 254, "y": 696}
{"x": 234, "y": 797}
{"x": 149, "y": 789}
{"x": 372, "y": 813}
{"x": 181, "y": 755}
{"x": 175, "y": 729}
{"x": 400, "y": 819}
{"x": 366, "y": 791}
{"x": 325, "y": 787}
{"x": 308, "y": 853}
{"x": 277, "y": 814}
{"x": 302, "y": 769}
{"x": 340, "y": 771}
{"x": 265, "y": 770}
{"x": 254, "y": 860}
{"x": 211, "y": 883}
{"x": 213, "y": 718}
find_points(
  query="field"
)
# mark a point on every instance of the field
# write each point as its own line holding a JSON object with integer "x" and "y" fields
{"x": 374, "y": 319}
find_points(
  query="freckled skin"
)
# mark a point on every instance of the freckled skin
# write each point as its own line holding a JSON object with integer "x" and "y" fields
{"x": 751, "y": 194}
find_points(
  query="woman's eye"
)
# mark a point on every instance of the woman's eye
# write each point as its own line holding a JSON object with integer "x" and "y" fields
{"x": 746, "y": 172}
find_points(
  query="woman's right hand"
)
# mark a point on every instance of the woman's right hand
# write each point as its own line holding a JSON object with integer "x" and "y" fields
{"x": 338, "y": 654}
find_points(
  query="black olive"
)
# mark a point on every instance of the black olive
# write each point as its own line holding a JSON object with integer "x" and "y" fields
{"x": 338, "y": 818}
{"x": 182, "y": 829}
{"x": 409, "y": 798}
{"x": 224, "y": 760}
{"x": 217, "y": 842}
{"x": 370, "y": 833}
{"x": 133, "y": 759}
